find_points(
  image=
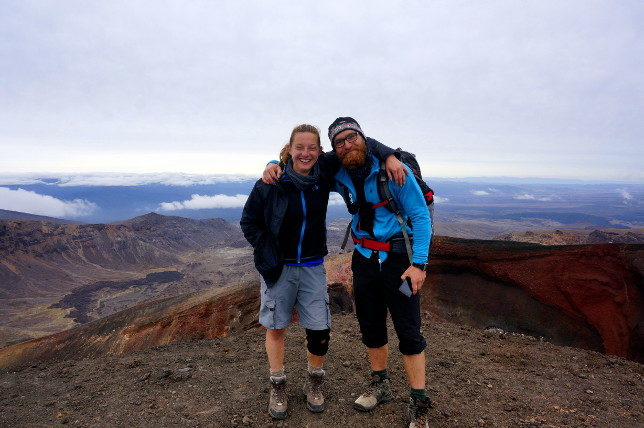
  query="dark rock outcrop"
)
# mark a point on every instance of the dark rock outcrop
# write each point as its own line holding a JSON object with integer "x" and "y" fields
{"x": 340, "y": 300}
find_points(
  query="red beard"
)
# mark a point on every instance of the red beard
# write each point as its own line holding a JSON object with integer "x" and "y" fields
{"x": 355, "y": 158}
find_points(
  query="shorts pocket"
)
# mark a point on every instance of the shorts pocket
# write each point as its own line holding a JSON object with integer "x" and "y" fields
{"x": 267, "y": 314}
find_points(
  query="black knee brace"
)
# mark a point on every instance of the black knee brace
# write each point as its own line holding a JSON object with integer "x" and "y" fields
{"x": 317, "y": 341}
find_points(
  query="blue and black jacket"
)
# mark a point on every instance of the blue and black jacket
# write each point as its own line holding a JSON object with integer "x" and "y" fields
{"x": 385, "y": 225}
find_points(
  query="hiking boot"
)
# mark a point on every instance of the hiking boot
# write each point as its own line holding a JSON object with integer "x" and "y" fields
{"x": 379, "y": 391}
{"x": 313, "y": 391}
{"x": 417, "y": 413}
{"x": 277, "y": 404}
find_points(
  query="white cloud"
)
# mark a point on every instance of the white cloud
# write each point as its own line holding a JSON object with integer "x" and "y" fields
{"x": 19, "y": 179}
{"x": 528, "y": 196}
{"x": 123, "y": 179}
{"x": 200, "y": 202}
{"x": 479, "y": 192}
{"x": 625, "y": 194}
{"x": 525, "y": 196}
{"x": 335, "y": 199}
{"x": 440, "y": 200}
{"x": 35, "y": 203}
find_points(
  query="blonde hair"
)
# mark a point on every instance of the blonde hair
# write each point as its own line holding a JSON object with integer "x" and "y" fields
{"x": 305, "y": 127}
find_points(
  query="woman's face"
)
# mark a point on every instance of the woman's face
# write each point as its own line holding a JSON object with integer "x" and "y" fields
{"x": 305, "y": 152}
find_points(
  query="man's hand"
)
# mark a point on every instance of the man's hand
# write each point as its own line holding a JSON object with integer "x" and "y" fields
{"x": 395, "y": 170}
{"x": 417, "y": 277}
{"x": 272, "y": 173}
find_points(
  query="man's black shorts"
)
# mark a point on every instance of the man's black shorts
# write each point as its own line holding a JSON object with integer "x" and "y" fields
{"x": 375, "y": 289}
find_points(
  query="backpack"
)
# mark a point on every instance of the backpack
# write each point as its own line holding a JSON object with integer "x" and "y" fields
{"x": 388, "y": 201}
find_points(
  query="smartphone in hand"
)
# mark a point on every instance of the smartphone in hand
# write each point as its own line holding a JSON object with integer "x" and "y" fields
{"x": 405, "y": 287}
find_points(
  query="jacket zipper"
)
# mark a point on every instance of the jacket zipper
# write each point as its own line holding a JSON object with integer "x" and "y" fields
{"x": 299, "y": 246}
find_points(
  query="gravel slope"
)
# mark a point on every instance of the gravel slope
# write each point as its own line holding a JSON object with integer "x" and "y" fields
{"x": 475, "y": 378}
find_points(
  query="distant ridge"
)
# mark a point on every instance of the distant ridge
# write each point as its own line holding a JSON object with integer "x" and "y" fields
{"x": 576, "y": 237}
{"x": 17, "y": 215}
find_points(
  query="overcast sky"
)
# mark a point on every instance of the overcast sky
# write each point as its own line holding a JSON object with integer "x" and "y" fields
{"x": 474, "y": 88}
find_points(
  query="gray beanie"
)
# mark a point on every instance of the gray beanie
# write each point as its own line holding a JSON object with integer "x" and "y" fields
{"x": 342, "y": 124}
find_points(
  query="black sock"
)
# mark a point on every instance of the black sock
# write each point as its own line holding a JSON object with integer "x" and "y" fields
{"x": 418, "y": 394}
{"x": 382, "y": 374}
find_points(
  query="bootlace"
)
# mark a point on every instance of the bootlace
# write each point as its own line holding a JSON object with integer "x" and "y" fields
{"x": 420, "y": 411}
{"x": 278, "y": 391}
{"x": 374, "y": 386}
{"x": 316, "y": 384}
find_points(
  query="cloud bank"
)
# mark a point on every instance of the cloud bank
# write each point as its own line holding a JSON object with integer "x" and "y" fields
{"x": 201, "y": 202}
{"x": 35, "y": 203}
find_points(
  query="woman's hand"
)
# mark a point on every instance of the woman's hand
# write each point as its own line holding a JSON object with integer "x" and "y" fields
{"x": 395, "y": 170}
{"x": 272, "y": 173}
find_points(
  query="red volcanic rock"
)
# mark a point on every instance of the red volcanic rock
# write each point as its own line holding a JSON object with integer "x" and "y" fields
{"x": 211, "y": 314}
{"x": 338, "y": 269}
{"x": 588, "y": 296}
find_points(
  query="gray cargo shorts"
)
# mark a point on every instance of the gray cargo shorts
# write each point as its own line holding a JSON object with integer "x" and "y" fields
{"x": 303, "y": 287}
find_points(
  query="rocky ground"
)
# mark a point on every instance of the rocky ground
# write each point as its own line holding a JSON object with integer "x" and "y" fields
{"x": 475, "y": 378}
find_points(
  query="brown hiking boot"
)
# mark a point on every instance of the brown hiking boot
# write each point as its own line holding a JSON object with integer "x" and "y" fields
{"x": 278, "y": 404}
{"x": 379, "y": 391}
{"x": 313, "y": 391}
{"x": 417, "y": 413}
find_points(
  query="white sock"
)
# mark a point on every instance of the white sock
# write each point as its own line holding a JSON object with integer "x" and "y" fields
{"x": 278, "y": 373}
{"x": 316, "y": 370}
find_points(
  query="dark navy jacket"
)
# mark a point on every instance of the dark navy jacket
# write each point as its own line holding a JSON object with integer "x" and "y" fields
{"x": 286, "y": 225}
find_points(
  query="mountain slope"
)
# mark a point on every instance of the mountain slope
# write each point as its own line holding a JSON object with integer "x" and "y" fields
{"x": 41, "y": 259}
{"x": 213, "y": 313}
{"x": 17, "y": 215}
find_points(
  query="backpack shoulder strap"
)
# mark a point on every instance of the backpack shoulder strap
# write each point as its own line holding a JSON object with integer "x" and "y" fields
{"x": 346, "y": 237}
{"x": 385, "y": 193}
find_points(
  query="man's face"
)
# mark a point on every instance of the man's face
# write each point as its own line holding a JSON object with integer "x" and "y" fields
{"x": 352, "y": 153}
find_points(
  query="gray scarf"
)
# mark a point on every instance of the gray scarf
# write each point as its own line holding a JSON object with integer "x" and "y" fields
{"x": 303, "y": 182}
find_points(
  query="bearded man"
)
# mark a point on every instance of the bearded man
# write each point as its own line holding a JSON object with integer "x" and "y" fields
{"x": 380, "y": 262}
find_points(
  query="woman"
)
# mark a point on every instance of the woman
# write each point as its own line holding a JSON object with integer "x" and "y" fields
{"x": 285, "y": 224}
